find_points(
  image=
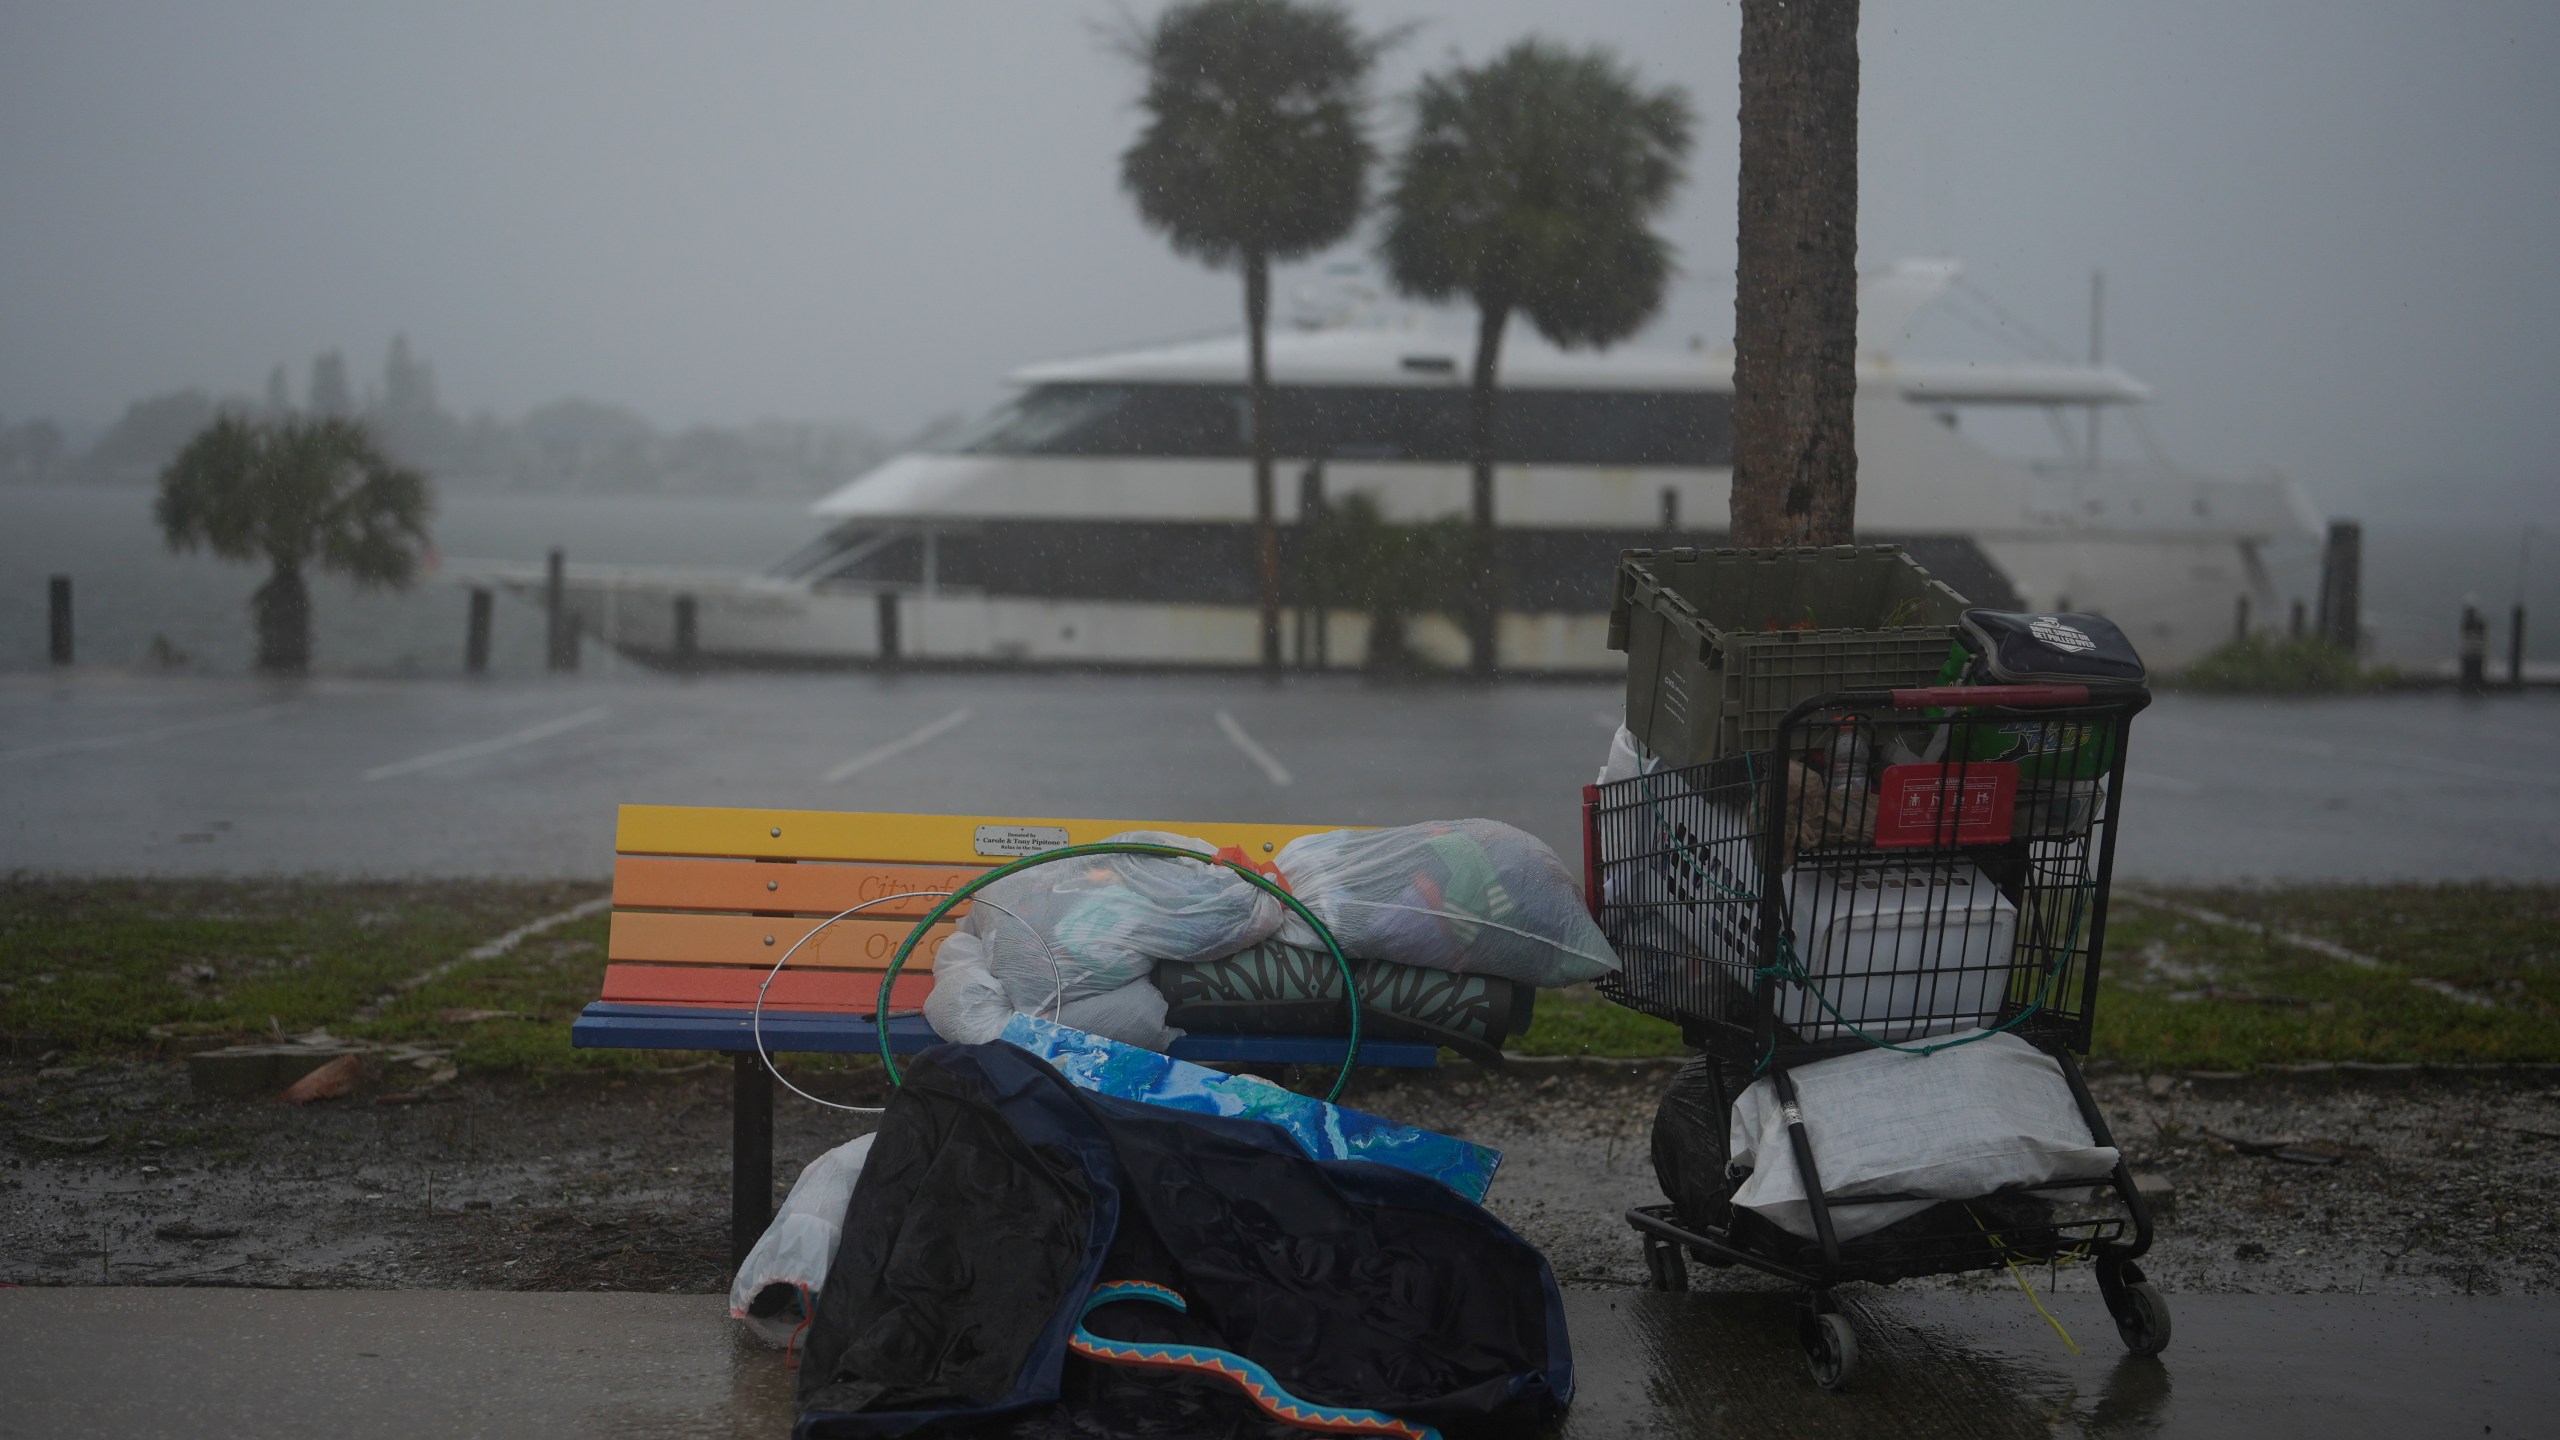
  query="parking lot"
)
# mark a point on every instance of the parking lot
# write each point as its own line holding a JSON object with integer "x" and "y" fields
{"x": 104, "y": 773}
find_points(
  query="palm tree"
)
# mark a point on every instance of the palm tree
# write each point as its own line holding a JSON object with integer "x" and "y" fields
{"x": 1254, "y": 151}
{"x": 1530, "y": 184}
{"x": 297, "y": 493}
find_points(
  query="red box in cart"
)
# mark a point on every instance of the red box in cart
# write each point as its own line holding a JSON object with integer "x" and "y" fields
{"x": 1915, "y": 804}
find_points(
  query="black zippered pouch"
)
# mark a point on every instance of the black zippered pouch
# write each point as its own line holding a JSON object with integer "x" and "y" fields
{"x": 2017, "y": 649}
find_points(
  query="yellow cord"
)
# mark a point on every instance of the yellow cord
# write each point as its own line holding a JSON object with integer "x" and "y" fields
{"x": 2021, "y": 1277}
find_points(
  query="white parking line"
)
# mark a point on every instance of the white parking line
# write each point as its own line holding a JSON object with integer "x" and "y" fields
{"x": 898, "y": 747}
{"x": 1277, "y": 773}
{"x": 478, "y": 748}
{"x": 2170, "y": 783}
{"x": 143, "y": 737}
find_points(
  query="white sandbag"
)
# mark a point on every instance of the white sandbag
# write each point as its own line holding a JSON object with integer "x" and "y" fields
{"x": 1474, "y": 896}
{"x": 795, "y": 1251}
{"x": 1953, "y": 1125}
{"x": 1060, "y": 932}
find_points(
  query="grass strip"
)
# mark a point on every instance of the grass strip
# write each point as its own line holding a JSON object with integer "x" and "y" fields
{"x": 97, "y": 967}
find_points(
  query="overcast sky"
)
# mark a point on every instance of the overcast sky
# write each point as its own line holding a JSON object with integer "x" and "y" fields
{"x": 2327, "y": 227}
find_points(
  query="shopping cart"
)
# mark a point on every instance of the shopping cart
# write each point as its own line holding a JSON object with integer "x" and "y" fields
{"x": 1913, "y": 869}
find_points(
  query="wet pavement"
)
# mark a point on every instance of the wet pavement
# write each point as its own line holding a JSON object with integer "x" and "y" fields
{"x": 111, "y": 773}
{"x": 104, "y": 1362}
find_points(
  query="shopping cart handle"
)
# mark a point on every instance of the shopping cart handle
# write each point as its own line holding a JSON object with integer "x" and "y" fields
{"x": 1948, "y": 697}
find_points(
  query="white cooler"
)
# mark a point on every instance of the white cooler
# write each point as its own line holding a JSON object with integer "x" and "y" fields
{"x": 1901, "y": 953}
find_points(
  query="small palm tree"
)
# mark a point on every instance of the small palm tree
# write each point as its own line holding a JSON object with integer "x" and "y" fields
{"x": 299, "y": 494}
{"x": 1530, "y": 185}
{"x": 1391, "y": 571}
{"x": 1254, "y": 151}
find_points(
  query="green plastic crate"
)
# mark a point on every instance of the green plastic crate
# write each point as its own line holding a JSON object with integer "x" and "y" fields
{"x": 1712, "y": 666}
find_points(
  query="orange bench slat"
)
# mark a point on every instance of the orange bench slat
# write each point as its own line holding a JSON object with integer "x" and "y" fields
{"x": 739, "y": 940}
{"x": 794, "y": 990}
{"x": 821, "y": 888}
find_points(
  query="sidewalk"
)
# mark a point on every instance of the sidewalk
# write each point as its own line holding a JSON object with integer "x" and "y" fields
{"x": 421, "y": 1363}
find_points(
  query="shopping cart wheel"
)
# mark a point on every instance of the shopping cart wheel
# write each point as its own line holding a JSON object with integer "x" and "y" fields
{"x": 2141, "y": 1312}
{"x": 1664, "y": 1265}
{"x": 1831, "y": 1347}
{"x": 2142, "y": 1318}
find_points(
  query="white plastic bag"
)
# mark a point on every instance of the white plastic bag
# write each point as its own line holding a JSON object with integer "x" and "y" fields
{"x": 798, "y": 1247}
{"x": 1096, "y": 923}
{"x": 1627, "y": 759}
{"x": 1954, "y": 1125}
{"x": 1133, "y": 1015}
{"x": 967, "y": 1005}
{"x": 1474, "y": 896}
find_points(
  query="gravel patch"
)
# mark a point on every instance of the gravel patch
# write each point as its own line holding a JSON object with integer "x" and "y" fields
{"x": 119, "y": 1173}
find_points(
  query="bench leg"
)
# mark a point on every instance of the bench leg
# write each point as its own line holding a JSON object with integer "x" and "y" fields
{"x": 750, "y": 1154}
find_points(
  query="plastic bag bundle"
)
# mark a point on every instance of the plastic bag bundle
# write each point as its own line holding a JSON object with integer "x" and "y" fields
{"x": 1077, "y": 941}
{"x": 969, "y": 1006}
{"x": 776, "y": 1288}
{"x": 1475, "y": 896}
{"x": 1061, "y": 932}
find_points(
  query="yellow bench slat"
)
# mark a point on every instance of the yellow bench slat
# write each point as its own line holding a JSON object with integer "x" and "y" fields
{"x": 902, "y": 839}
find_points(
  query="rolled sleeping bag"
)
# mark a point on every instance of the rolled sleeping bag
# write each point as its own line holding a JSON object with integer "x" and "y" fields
{"x": 1279, "y": 989}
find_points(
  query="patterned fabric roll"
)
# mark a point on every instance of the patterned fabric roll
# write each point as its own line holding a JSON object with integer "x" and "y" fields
{"x": 1277, "y": 989}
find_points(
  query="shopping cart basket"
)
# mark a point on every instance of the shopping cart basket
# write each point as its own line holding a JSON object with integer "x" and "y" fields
{"x": 1914, "y": 869}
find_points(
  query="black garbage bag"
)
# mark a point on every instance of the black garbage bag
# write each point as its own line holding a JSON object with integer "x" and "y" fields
{"x": 1692, "y": 1128}
{"x": 998, "y": 1195}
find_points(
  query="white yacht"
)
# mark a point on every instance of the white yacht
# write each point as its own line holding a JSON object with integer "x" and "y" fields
{"x": 1103, "y": 516}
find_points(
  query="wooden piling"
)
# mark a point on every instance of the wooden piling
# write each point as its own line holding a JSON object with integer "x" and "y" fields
{"x": 58, "y": 618}
{"x": 475, "y": 635}
{"x": 561, "y": 647}
{"x": 2342, "y": 586}
{"x": 889, "y": 646}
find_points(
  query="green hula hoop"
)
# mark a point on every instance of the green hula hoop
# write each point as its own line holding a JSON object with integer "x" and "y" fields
{"x": 897, "y": 962}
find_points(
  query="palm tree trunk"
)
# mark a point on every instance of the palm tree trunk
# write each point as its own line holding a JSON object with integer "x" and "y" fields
{"x": 1484, "y": 591}
{"x": 1257, "y": 322}
{"x": 283, "y": 607}
{"x": 1795, "y": 310}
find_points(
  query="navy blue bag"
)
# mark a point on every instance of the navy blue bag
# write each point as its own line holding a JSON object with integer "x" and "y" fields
{"x": 998, "y": 1195}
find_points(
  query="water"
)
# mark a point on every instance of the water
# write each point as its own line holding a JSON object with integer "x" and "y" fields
{"x": 130, "y": 592}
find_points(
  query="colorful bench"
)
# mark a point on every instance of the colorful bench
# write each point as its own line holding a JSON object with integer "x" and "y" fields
{"x": 706, "y": 900}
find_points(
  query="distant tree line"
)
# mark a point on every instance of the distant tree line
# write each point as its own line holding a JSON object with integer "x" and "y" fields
{"x": 573, "y": 446}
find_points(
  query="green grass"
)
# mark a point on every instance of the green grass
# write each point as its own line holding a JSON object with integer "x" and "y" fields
{"x": 2272, "y": 665}
{"x": 2180, "y": 994}
{"x": 1576, "y": 1021}
{"x": 117, "y": 966}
